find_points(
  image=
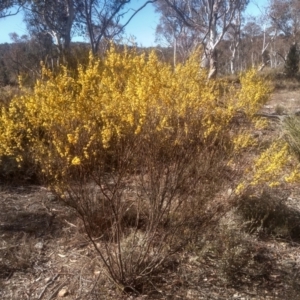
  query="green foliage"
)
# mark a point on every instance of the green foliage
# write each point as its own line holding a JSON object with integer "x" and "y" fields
{"x": 291, "y": 127}
{"x": 292, "y": 61}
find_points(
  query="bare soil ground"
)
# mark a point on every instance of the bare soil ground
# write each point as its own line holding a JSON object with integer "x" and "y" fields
{"x": 44, "y": 253}
{"x": 288, "y": 101}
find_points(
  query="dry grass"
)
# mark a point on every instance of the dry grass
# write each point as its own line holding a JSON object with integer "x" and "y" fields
{"x": 39, "y": 256}
{"x": 280, "y": 80}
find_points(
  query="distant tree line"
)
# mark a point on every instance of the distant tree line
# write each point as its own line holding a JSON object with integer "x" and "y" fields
{"x": 231, "y": 40}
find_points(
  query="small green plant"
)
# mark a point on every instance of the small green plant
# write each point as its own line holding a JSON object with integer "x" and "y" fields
{"x": 291, "y": 66}
{"x": 291, "y": 129}
{"x": 280, "y": 110}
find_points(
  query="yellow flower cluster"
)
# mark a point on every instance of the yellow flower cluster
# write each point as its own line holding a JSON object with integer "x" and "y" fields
{"x": 69, "y": 120}
{"x": 254, "y": 92}
{"x": 273, "y": 166}
{"x": 243, "y": 140}
{"x": 269, "y": 165}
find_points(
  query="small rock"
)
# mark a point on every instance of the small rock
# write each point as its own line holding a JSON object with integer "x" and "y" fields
{"x": 47, "y": 279}
{"x": 63, "y": 292}
{"x": 192, "y": 294}
{"x": 51, "y": 197}
{"x": 229, "y": 192}
{"x": 193, "y": 259}
{"x": 39, "y": 245}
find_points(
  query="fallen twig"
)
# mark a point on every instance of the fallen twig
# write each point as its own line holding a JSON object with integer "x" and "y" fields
{"x": 44, "y": 289}
{"x": 57, "y": 289}
{"x": 71, "y": 224}
{"x": 270, "y": 116}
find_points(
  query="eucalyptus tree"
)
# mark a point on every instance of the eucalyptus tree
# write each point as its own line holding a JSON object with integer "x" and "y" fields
{"x": 252, "y": 36}
{"x": 51, "y": 17}
{"x": 10, "y": 7}
{"x": 234, "y": 34}
{"x": 101, "y": 19}
{"x": 173, "y": 32}
{"x": 284, "y": 15}
{"x": 211, "y": 19}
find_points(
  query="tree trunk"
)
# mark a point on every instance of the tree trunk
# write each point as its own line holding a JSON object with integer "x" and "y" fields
{"x": 211, "y": 52}
{"x": 175, "y": 50}
{"x": 232, "y": 61}
{"x": 213, "y": 64}
{"x": 69, "y": 23}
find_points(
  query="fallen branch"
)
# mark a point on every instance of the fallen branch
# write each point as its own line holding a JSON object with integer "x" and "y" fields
{"x": 271, "y": 116}
{"x": 44, "y": 289}
{"x": 57, "y": 289}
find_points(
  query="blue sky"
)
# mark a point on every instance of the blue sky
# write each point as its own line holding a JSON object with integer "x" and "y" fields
{"x": 142, "y": 26}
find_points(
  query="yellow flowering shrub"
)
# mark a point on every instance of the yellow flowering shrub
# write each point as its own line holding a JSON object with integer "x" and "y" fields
{"x": 68, "y": 121}
{"x": 130, "y": 120}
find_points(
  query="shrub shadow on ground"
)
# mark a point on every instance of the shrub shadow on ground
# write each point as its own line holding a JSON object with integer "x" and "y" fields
{"x": 270, "y": 213}
{"x": 38, "y": 224}
{"x": 27, "y": 224}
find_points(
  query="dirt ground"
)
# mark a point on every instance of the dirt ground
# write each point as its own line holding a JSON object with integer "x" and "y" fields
{"x": 286, "y": 101}
{"x": 44, "y": 253}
